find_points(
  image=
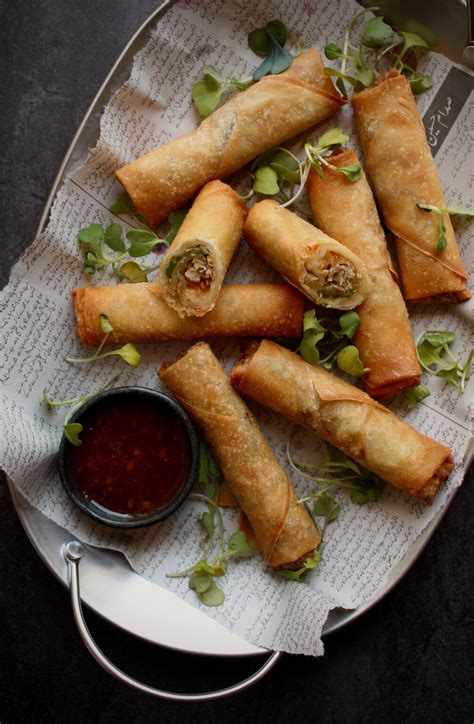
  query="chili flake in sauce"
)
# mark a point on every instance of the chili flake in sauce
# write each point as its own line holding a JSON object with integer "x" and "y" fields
{"x": 134, "y": 457}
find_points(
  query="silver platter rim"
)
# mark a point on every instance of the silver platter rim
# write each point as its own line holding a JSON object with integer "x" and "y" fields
{"x": 109, "y": 587}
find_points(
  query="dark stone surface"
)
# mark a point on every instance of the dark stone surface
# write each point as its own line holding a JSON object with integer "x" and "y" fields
{"x": 409, "y": 659}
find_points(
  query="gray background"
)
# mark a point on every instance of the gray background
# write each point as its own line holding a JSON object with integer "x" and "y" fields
{"x": 409, "y": 659}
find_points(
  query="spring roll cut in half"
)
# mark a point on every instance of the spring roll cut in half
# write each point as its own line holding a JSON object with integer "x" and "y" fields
{"x": 138, "y": 313}
{"x": 345, "y": 417}
{"x": 284, "y": 530}
{"x": 323, "y": 269}
{"x": 346, "y": 210}
{"x": 403, "y": 172}
{"x": 266, "y": 114}
{"x": 193, "y": 269}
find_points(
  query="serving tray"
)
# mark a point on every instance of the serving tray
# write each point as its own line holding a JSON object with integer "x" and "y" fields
{"x": 108, "y": 584}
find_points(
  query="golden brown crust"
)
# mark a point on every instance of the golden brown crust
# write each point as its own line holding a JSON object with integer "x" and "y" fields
{"x": 298, "y": 250}
{"x": 344, "y": 416}
{"x": 282, "y": 526}
{"x": 399, "y": 162}
{"x": 266, "y": 114}
{"x": 346, "y": 210}
{"x": 138, "y": 313}
{"x": 213, "y": 224}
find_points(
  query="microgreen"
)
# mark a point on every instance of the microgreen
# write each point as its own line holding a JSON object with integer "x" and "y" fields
{"x": 215, "y": 554}
{"x": 414, "y": 395}
{"x": 72, "y": 430}
{"x": 208, "y": 91}
{"x": 436, "y": 357}
{"x": 328, "y": 343}
{"x": 278, "y": 170}
{"x": 452, "y": 211}
{"x": 348, "y": 361}
{"x": 370, "y": 48}
{"x": 266, "y": 42}
{"x": 309, "y": 564}
{"x": 128, "y": 352}
{"x": 93, "y": 238}
{"x": 337, "y": 470}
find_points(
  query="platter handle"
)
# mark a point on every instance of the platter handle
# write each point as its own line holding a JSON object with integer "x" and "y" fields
{"x": 73, "y": 552}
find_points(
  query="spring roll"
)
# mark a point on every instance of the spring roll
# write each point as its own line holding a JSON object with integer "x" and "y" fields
{"x": 193, "y": 269}
{"x": 344, "y": 416}
{"x": 346, "y": 210}
{"x": 323, "y": 269}
{"x": 401, "y": 167}
{"x": 283, "y": 528}
{"x": 138, "y": 313}
{"x": 266, "y": 114}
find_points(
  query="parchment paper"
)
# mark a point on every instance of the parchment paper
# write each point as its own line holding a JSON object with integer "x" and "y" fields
{"x": 365, "y": 542}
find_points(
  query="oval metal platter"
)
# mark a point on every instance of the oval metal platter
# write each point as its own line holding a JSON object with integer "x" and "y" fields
{"x": 108, "y": 585}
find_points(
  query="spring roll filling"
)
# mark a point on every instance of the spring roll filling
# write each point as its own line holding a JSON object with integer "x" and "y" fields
{"x": 331, "y": 276}
{"x": 190, "y": 275}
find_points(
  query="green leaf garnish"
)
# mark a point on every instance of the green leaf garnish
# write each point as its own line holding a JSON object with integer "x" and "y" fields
{"x": 369, "y": 46}
{"x": 239, "y": 546}
{"x": 337, "y": 471}
{"x": 113, "y": 237}
{"x": 313, "y": 332}
{"x": 451, "y": 210}
{"x": 175, "y": 219}
{"x": 133, "y": 272}
{"x": 212, "y": 596}
{"x": 309, "y": 564}
{"x": 414, "y": 395}
{"x": 91, "y": 234}
{"x": 215, "y": 556}
{"x": 142, "y": 242}
{"x": 348, "y": 361}
{"x": 266, "y": 181}
{"x": 72, "y": 431}
{"x": 268, "y": 42}
{"x": 376, "y": 33}
{"x": 123, "y": 204}
{"x": 205, "y": 98}
{"x": 207, "y": 93}
{"x": 349, "y": 323}
{"x": 333, "y": 51}
{"x": 323, "y": 344}
{"x": 434, "y": 353}
{"x": 105, "y": 324}
{"x": 420, "y": 83}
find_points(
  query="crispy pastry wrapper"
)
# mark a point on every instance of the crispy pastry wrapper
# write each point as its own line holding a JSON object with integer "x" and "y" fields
{"x": 306, "y": 257}
{"x": 208, "y": 237}
{"x": 346, "y": 210}
{"x": 283, "y": 528}
{"x": 138, "y": 313}
{"x": 344, "y": 416}
{"x": 266, "y": 114}
{"x": 403, "y": 172}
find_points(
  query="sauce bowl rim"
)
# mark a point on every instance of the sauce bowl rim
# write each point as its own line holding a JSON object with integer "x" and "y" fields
{"x": 111, "y": 518}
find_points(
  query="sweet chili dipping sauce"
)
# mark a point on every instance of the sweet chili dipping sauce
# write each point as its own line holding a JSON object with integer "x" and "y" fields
{"x": 134, "y": 457}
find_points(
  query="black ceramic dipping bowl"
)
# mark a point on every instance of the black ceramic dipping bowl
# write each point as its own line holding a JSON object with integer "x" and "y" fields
{"x": 97, "y": 417}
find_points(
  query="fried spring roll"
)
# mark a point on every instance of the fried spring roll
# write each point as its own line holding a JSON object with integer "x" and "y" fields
{"x": 346, "y": 210}
{"x": 323, "y": 269}
{"x": 266, "y": 114}
{"x": 399, "y": 162}
{"x": 138, "y": 313}
{"x": 284, "y": 530}
{"x": 344, "y": 416}
{"x": 193, "y": 269}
